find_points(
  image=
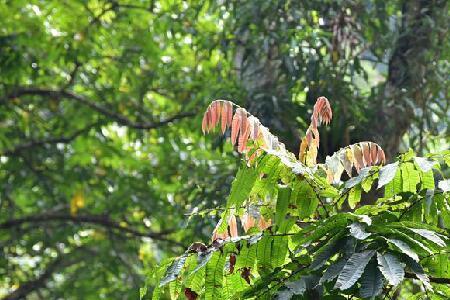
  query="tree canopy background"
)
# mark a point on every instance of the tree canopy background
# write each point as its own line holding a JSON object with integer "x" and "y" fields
{"x": 103, "y": 164}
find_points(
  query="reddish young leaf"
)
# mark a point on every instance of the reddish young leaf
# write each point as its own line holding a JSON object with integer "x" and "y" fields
{"x": 247, "y": 222}
{"x": 358, "y": 157}
{"x": 232, "y": 226}
{"x": 366, "y": 153}
{"x": 373, "y": 153}
{"x": 224, "y": 117}
{"x": 235, "y": 126}
{"x": 230, "y": 113}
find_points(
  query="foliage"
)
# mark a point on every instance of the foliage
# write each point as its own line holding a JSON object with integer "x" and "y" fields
{"x": 105, "y": 173}
{"x": 339, "y": 246}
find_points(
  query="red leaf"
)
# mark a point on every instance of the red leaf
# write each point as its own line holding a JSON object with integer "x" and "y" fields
{"x": 366, "y": 154}
{"x": 230, "y": 113}
{"x": 232, "y": 226}
{"x": 358, "y": 157}
{"x": 224, "y": 117}
{"x": 373, "y": 153}
{"x": 213, "y": 115}
{"x": 235, "y": 126}
{"x": 245, "y": 131}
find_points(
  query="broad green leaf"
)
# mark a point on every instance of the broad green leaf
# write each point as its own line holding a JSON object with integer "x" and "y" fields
{"x": 394, "y": 186}
{"x": 326, "y": 251}
{"x": 417, "y": 269}
{"x": 358, "y": 231}
{"x": 353, "y": 269}
{"x": 364, "y": 172}
{"x": 333, "y": 271}
{"x": 424, "y": 164}
{"x": 306, "y": 200}
{"x": 428, "y": 180}
{"x": 410, "y": 177}
{"x": 429, "y": 235}
{"x": 241, "y": 187}
{"x": 284, "y": 194}
{"x": 354, "y": 196}
{"x": 387, "y": 174}
{"x": 404, "y": 247}
{"x": 371, "y": 281}
{"x": 444, "y": 185}
{"x": 174, "y": 270}
{"x": 214, "y": 276}
{"x": 391, "y": 268}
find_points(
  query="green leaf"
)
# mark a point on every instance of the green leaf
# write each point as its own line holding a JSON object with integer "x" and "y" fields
{"x": 246, "y": 257}
{"x": 242, "y": 186}
{"x": 174, "y": 270}
{"x": 353, "y": 269}
{"x": 429, "y": 235}
{"x": 371, "y": 281}
{"x": 404, "y": 247}
{"x": 354, "y": 196}
{"x": 391, "y": 268}
{"x": 410, "y": 177}
{"x": 214, "y": 276}
{"x": 264, "y": 252}
{"x": 444, "y": 185}
{"x": 424, "y": 164}
{"x": 428, "y": 180}
{"x": 203, "y": 259}
{"x": 326, "y": 251}
{"x": 394, "y": 186}
{"x": 417, "y": 269}
{"x": 357, "y": 230}
{"x": 364, "y": 172}
{"x": 284, "y": 194}
{"x": 306, "y": 199}
{"x": 333, "y": 271}
{"x": 387, "y": 174}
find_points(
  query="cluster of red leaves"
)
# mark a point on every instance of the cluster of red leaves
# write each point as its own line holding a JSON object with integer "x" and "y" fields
{"x": 244, "y": 126}
{"x": 322, "y": 113}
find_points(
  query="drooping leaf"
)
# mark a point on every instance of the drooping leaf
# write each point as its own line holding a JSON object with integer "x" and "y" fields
{"x": 429, "y": 235}
{"x": 333, "y": 271}
{"x": 326, "y": 251}
{"x": 353, "y": 269}
{"x": 404, "y": 247}
{"x": 444, "y": 185}
{"x": 357, "y": 230}
{"x": 410, "y": 177}
{"x": 391, "y": 267}
{"x": 424, "y": 164}
{"x": 418, "y": 270}
{"x": 354, "y": 196}
{"x": 174, "y": 270}
{"x": 242, "y": 186}
{"x": 387, "y": 174}
{"x": 371, "y": 281}
{"x": 358, "y": 179}
{"x": 214, "y": 276}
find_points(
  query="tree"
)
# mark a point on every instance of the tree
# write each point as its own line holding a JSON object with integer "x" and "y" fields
{"x": 308, "y": 245}
{"x": 104, "y": 170}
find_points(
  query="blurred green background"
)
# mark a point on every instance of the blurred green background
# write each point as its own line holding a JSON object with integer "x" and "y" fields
{"x": 103, "y": 167}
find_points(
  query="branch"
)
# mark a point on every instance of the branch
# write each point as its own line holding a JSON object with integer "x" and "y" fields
{"x": 51, "y": 140}
{"x": 101, "y": 220}
{"x": 119, "y": 118}
{"x": 28, "y": 287}
{"x": 440, "y": 280}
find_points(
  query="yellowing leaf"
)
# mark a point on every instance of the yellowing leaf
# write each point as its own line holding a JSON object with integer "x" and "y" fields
{"x": 76, "y": 202}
